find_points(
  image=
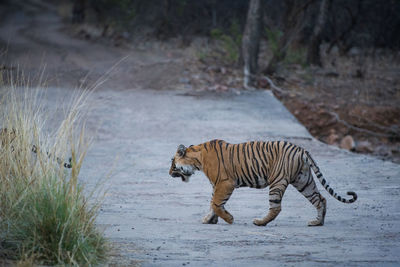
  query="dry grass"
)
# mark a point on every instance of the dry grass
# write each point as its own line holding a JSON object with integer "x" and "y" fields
{"x": 44, "y": 214}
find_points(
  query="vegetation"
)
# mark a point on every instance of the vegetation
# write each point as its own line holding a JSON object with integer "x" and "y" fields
{"x": 296, "y": 56}
{"x": 231, "y": 41}
{"x": 44, "y": 214}
{"x": 273, "y": 37}
{"x": 301, "y": 24}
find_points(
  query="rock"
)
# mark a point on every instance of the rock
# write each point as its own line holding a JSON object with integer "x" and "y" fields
{"x": 184, "y": 80}
{"x": 364, "y": 147}
{"x": 333, "y": 138}
{"x": 383, "y": 150}
{"x": 347, "y": 143}
{"x": 263, "y": 83}
{"x": 332, "y": 74}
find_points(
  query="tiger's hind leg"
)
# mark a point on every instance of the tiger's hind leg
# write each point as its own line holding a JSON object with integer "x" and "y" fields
{"x": 305, "y": 184}
{"x": 211, "y": 218}
{"x": 275, "y": 197}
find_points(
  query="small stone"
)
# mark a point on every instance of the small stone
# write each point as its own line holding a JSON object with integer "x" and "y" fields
{"x": 347, "y": 143}
{"x": 333, "y": 138}
{"x": 364, "y": 147}
{"x": 263, "y": 83}
{"x": 383, "y": 150}
{"x": 223, "y": 88}
{"x": 184, "y": 80}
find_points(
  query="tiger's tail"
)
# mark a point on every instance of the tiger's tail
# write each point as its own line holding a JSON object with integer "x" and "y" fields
{"x": 324, "y": 182}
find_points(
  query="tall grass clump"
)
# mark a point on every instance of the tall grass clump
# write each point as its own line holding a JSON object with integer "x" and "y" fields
{"x": 45, "y": 216}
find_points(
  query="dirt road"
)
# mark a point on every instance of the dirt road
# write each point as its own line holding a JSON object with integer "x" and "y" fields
{"x": 155, "y": 220}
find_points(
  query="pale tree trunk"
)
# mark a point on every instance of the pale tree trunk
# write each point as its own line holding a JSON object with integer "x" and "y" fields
{"x": 251, "y": 41}
{"x": 313, "y": 53}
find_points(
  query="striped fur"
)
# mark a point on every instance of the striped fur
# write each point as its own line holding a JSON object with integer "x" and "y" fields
{"x": 254, "y": 164}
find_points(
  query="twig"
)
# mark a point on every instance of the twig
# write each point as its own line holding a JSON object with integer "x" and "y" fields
{"x": 274, "y": 87}
{"x": 345, "y": 123}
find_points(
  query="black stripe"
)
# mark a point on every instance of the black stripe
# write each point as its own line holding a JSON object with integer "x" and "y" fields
{"x": 277, "y": 201}
{"x": 305, "y": 186}
{"x": 232, "y": 157}
{"x": 218, "y": 172}
{"x": 246, "y": 165}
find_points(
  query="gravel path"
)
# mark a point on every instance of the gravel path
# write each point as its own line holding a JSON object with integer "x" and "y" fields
{"x": 154, "y": 219}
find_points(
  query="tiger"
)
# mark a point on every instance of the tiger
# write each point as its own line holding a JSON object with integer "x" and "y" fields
{"x": 254, "y": 164}
{"x": 7, "y": 136}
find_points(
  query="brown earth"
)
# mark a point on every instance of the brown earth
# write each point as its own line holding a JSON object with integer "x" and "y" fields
{"x": 346, "y": 98}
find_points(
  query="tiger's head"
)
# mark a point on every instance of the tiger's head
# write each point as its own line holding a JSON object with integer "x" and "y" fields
{"x": 185, "y": 162}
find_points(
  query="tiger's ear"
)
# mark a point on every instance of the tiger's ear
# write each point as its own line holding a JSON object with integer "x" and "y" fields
{"x": 181, "y": 150}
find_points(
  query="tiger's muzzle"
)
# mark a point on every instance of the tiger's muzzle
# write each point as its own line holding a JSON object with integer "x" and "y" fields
{"x": 183, "y": 172}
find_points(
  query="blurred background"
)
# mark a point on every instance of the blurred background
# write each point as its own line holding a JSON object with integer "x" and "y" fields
{"x": 333, "y": 63}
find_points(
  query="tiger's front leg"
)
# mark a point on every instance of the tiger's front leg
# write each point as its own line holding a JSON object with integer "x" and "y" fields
{"x": 211, "y": 217}
{"x": 222, "y": 193}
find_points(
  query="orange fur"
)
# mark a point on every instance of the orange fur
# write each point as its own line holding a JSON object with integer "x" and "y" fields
{"x": 253, "y": 164}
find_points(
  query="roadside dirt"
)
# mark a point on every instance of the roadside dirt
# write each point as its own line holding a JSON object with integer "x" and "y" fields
{"x": 357, "y": 96}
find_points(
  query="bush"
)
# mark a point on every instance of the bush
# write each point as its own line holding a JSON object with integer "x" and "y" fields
{"x": 292, "y": 55}
{"x": 273, "y": 40}
{"x": 296, "y": 56}
{"x": 231, "y": 42}
{"x": 44, "y": 215}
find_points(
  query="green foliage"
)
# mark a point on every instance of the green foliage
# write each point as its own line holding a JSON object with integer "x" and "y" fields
{"x": 181, "y": 7}
{"x": 202, "y": 54}
{"x": 231, "y": 42}
{"x": 216, "y": 33}
{"x": 52, "y": 224}
{"x": 292, "y": 55}
{"x": 296, "y": 56}
{"x": 273, "y": 40}
{"x": 118, "y": 13}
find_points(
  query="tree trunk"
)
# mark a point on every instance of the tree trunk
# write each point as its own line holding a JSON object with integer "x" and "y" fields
{"x": 251, "y": 41}
{"x": 313, "y": 53}
{"x": 213, "y": 14}
{"x": 78, "y": 11}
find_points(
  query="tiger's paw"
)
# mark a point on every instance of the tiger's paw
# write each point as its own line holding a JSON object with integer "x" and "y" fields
{"x": 316, "y": 223}
{"x": 259, "y": 222}
{"x": 210, "y": 219}
{"x": 229, "y": 219}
